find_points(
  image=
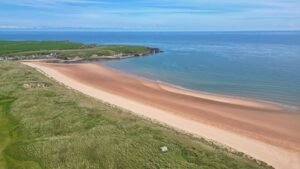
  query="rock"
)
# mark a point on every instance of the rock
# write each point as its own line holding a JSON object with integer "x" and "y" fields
{"x": 29, "y": 85}
{"x": 164, "y": 149}
{"x": 155, "y": 50}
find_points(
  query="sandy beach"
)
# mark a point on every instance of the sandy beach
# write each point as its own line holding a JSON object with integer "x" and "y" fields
{"x": 265, "y": 131}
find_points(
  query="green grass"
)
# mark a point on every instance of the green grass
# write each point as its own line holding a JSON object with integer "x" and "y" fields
{"x": 100, "y": 51}
{"x": 58, "y": 128}
{"x": 6, "y": 126}
{"x": 10, "y": 47}
{"x": 66, "y": 49}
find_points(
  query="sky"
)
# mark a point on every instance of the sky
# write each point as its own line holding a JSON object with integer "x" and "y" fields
{"x": 151, "y": 15}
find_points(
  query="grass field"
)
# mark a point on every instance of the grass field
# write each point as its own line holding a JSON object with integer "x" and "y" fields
{"x": 10, "y": 47}
{"x": 66, "y": 49}
{"x": 53, "y": 127}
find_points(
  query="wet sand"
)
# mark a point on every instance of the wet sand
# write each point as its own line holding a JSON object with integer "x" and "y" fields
{"x": 263, "y": 130}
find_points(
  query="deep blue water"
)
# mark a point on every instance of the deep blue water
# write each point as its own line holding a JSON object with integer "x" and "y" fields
{"x": 262, "y": 65}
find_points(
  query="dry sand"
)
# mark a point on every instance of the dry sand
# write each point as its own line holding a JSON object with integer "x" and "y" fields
{"x": 262, "y": 130}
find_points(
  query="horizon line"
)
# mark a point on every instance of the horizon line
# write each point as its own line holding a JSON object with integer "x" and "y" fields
{"x": 62, "y": 29}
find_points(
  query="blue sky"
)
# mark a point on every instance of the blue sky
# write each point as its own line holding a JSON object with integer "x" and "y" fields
{"x": 148, "y": 15}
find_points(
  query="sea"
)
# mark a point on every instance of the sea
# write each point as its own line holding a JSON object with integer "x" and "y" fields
{"x": 262, "y": 65}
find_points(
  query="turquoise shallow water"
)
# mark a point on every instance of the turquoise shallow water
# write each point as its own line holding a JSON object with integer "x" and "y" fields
{"x": 261, "y": 65}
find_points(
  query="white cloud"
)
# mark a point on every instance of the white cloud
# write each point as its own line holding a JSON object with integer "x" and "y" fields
{"x": 186, "y": 14}
{"x": 49, "y": 3}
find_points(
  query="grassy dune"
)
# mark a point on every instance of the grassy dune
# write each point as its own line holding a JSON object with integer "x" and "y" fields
{"x": 57, "y": 128}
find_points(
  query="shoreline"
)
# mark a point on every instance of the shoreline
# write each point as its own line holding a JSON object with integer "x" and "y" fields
{"x": 228, "y": 96}
{"x": 277, "y": 155}
{"x": 179, "y": 88}
{"x": 277, "y": 104}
